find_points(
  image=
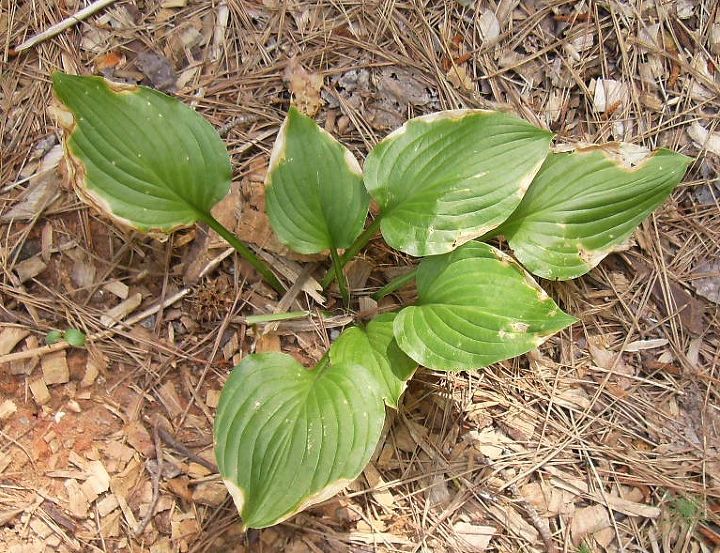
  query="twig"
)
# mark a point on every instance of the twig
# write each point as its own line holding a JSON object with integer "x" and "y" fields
{"x": 44, "y": 350}
{"x": 64, "y": 24}
{"x": 170, "y": 440}
{"x": 239, "y": 120}
{"x": 291, "y": 295}
{"x": 540, "y": 525}
{"x": 221, "y": 21}
{"x": 155, "y": 483}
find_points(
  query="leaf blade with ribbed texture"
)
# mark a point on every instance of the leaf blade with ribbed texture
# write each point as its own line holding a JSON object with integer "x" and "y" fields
{"x": 449, "y": 177}
{"x": 142, "y": 157}
{"x": 313, "y": 192}
{"x": 583, "y": 204}
{"x": 375, "y": 348}
{"x": 476, "y": 306}
{"x": 286, "y": 437}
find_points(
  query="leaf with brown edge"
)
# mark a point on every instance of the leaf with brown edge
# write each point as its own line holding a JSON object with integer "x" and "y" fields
{"x": 582, "y": 205}
{"x": 443, "y": 179}
{"x": 144, "y": 158}
{"x": 287, "y": 437}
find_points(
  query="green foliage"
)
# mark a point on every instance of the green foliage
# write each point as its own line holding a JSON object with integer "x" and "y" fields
{"x": 53, "y": 337}
{"x": 149, "y": 161}
{"x": 314, "y": 194}
{"x": 444, "y": 179}
{"x": 374, "y": 347}
{"x": 145, "y": 159}
{"x": 72, "y": 336}
{"x": 475, "y": 306}
{"x": 687, "y": 509}
{"x": 584, "y": 204}
{"x": 287, "y": 437}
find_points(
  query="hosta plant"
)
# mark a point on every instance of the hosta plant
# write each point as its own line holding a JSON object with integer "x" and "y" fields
{"x": 288, "y": 436}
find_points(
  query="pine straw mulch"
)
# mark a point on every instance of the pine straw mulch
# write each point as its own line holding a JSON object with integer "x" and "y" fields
{"x": 606, "y": 439}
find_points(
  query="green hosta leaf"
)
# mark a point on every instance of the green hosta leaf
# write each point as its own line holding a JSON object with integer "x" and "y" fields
{"x": 144, "y": 158}
{"x": 475, "y": 306}
{"x": 375, "y": 348}
{"x": 583, "y": 204}
{"x": 314, "y": 194}
{"x": 286, "y": 437}
{"x": 447, "y": 178}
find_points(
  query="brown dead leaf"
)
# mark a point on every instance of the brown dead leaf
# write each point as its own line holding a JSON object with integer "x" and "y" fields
{"x": 473, "y": 536}
{"x": 460, "y": 78}
{"x": 158, "y": 70}
{"x": 43, "y": 189}
{"x": 709, "y": 285}
{"x": 29, "y": 268}
{"x": 588, "y": 521}
{"x": 109, "y": 61}
{"x": 514, "y": 522}
{"x": 212, "y": 494}
{"x": 609, "y": 94}
{"x": 139, "y": 438}
{"x": 518, "y": 427}
{"x": 180, "y": 487}
{"x": 489, "y": 27}
{"x": 168, "y": 396}
{"x": 549, "y": 500}
{"x": 704, "y": 139}
{"x": 305, "y": 87}
{"x": 604, "y": 358}
{"x": 690, "y": 309}
{"x": 269, "y": 342}
{"x": 380, "y": 493}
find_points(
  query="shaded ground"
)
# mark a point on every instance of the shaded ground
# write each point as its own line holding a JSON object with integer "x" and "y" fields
{"x": 606, "y": 439}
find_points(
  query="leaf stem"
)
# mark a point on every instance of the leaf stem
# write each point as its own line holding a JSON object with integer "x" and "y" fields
{"x": 260, "y": 266}
{"x": 360, "y": 242}
{"x": 394, "y": 284}
{"x": 340, "y": 276}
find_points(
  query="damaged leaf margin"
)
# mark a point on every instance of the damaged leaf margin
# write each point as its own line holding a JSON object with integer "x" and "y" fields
{"x": 446, "y": 178}
{"x": 143, "y": 158}
{"x": 314, "y": 195}
{"x": 287, "y": 437}
{"x": 584, "y": 204}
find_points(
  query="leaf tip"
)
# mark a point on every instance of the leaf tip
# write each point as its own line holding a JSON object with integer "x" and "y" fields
{"x": 278, "y": 152}
{"x": 58, "y": 78}
{"x": 237, "y": 495}
{"x": 352, "y": 163}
